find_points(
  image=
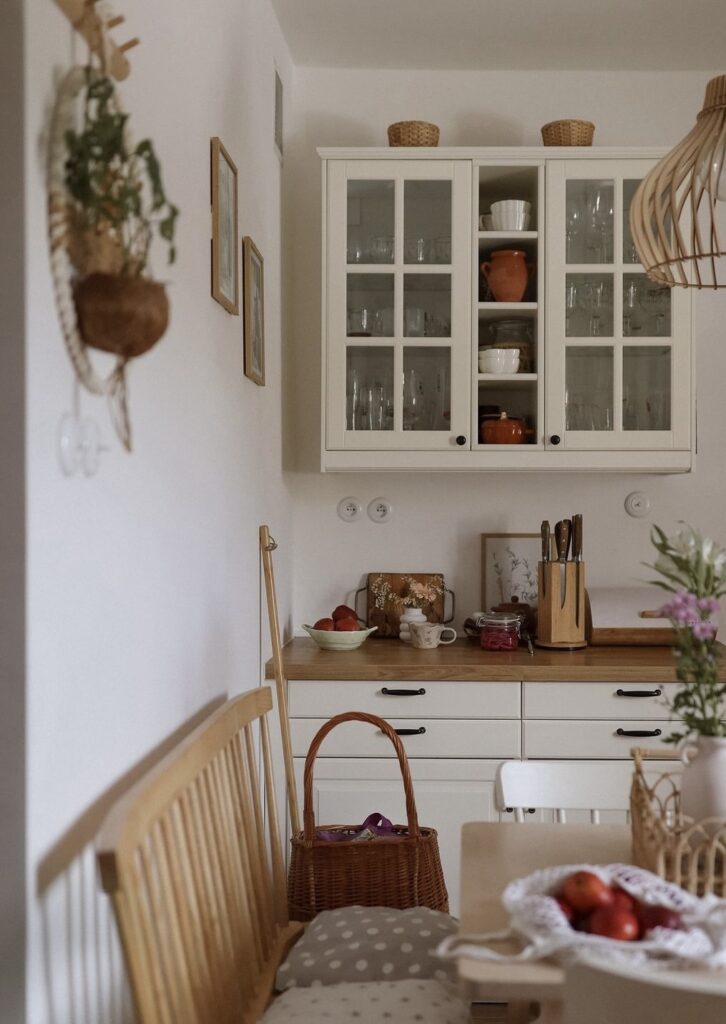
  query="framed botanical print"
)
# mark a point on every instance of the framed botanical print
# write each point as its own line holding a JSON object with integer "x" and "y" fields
{"x": 253, "y": 279}
{"x": 509, "y": 568}
{"x": 225, "y": 258}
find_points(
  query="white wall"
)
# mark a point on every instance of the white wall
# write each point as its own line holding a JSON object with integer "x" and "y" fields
{"x": 143, "y": 581}
{"x": 438, "y": 518}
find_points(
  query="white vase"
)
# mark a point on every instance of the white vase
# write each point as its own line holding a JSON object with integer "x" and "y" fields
{"x": 410, "y": 615}
{"x": 703, "y": 789}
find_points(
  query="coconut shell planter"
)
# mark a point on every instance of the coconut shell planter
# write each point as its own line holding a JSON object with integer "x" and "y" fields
{"x": 122, "y": 315}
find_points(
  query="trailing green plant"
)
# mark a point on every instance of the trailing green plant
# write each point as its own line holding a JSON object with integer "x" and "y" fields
{"x": 117, "y": 190}
{"x": 693, "y": 569}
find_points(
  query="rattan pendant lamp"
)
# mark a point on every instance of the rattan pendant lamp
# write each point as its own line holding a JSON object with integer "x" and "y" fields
{"x": 675, "y": 213}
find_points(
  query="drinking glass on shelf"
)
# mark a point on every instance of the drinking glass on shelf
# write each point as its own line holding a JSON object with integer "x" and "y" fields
{"x": 418, "y": 250}
{"x": 413, "y": 399}
{"x": 600, "y": 224}
{"x": 573, "y": 227}
{"x": 356, "y": 252}
{"x": 442, "y": 249}
{"x": 382, "y": 249}
{"x": 571, "y": 300}
{"x": 655, "y": 300}
{"x": 376, "y": 404}
{"x": 361, "y": 322}
{"x": 594, "y": 299}
{"x": 353, "y": 404}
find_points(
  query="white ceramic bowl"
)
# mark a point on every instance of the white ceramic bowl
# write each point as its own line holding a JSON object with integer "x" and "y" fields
{"x": 511, "y": 215}
{"x": 339, "y": 640}
{"x": 499, "y": 360}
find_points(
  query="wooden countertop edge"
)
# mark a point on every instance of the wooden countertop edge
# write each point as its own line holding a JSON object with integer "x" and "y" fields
{"x": 389, "y": 661}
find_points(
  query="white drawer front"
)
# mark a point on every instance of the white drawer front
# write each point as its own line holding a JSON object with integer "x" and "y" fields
{"x": 598, "y": 700}
{"x": 440, "y": 738}
{"x": 591, "y": 739}
{"x": 440, "y": 699}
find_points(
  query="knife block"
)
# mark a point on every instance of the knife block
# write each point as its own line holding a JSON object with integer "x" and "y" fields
{"x": 561, "y": 624}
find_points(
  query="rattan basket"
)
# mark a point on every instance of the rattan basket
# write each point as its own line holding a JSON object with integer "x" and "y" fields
{"x": 690, "y": 853}
{"x": 568, "y": 133}
{"x": 401, "y": 871}
{"x": 413, "y": 133}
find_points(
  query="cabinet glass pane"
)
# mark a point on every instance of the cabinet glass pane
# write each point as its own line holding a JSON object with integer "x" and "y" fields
{"x": 589, "y": 387}
{"x": 369, "y": 388}
{"x": 589, "y": 221}
{"x": 589, "y": 305}
{"x": 370, "y": 305}
{"x": 426, "y": 388}
{"x": 630, "y": 254}
{"x": 646, "y": 308}
{"x": 371, "y": 218}
{"x": 427, "y": 222}
{"x": 427, "y": 305}
{"x": 647, "y": 387}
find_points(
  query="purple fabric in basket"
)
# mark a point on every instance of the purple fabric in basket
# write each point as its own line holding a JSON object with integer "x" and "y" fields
{"x": 375, "y": 826}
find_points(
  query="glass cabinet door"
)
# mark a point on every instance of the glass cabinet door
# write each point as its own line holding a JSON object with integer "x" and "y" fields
{"x": 618, "y": 376}
{"x": 398, "y": 284}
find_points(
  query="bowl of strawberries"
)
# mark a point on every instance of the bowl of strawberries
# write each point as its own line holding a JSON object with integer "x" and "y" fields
{"x": 342, "y": 631}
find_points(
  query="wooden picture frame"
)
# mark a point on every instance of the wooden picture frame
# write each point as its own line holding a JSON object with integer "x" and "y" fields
{"x": 225, "y": 255}
{"x": 509, "y": 568}
{"x": 253, "y": 290}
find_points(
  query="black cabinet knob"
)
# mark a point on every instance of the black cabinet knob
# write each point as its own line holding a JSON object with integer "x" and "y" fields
{"x": 461, "y": 440}
{"x": 555, "y": 439}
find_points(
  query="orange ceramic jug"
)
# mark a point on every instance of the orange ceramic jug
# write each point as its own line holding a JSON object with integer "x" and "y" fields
{"x": 507, "y": 274}
{"x": 504, "y": 430}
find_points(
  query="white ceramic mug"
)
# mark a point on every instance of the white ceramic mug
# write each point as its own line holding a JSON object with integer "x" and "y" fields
{"x": 485, "y": 222}
{"x": 426, "y": 635}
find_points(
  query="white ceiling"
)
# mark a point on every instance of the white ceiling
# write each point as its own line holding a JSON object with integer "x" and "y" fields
{"x": 612, "y": 35}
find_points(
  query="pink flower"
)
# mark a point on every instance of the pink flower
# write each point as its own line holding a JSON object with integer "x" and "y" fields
{"x": 704, "y": 630}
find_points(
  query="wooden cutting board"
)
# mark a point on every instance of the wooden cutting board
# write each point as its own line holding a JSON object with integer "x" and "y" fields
{"x": 626, "y": 617}
{"x": 387, "y": 591}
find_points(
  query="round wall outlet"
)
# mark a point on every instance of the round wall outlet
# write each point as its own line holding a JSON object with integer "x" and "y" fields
{"x": 349, "y": 509}
{"x": 637, "y": 504}
{"x": 380, "y": 510}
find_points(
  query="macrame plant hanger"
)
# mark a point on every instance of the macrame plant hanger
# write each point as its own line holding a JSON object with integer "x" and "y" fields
{"x": 92, "y": 20}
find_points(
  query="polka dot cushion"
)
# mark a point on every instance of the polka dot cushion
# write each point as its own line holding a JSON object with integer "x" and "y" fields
{"x": 371, "y": 1002}
{"x": 368, "y": 944}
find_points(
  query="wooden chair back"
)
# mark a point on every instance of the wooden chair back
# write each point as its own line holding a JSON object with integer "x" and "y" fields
{"x": 193, "y": 864}
{"x": 562, "y": 786}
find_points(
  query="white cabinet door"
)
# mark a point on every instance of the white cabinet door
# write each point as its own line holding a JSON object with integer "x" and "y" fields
{"x": 448, "y": 794}
{"x": 618, "y": 347}
{"x": 398, "y": 300}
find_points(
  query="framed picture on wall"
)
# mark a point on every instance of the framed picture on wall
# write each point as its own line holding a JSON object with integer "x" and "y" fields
{"x": 509, "y": 568}
{"x": 225, "y": 258}
{"x": 253, "y": 281}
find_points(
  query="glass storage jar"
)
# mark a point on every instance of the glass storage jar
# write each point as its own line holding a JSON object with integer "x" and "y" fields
{"x": 499, "y": 631}
{"x": 514, "y": 333}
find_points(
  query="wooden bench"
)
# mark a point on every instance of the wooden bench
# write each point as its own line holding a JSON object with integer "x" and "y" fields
{"x": 192, "y": 861}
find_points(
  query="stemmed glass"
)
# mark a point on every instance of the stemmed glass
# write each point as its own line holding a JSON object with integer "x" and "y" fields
{"x": 631, "y": 301}
{"x": 571, "y": 300}
{"x": 573, "y": 226}
{"x": 600, "y": 224}
{"x": 595, "y": 298}
{"x": 655, "y": 301}
{"x": 413, "y": 399}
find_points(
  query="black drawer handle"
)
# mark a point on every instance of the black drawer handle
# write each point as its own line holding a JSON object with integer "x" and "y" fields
{"x": 638, "y": 732}
{"x": 411, "y": 732}
{"x": 402, "y": 693}
{"x": 638, "y": 693}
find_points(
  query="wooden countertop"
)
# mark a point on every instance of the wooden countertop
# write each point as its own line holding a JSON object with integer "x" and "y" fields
{"x": 389, "y": 660}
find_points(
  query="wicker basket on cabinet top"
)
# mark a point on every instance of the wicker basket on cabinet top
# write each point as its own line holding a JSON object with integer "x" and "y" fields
{"x": 568, "y": 133}
{"x": 413, "y": 133}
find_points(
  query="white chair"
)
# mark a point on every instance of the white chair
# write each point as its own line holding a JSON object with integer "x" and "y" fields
{"x": 599, "y": 993}
{"x": 559, "y": 786}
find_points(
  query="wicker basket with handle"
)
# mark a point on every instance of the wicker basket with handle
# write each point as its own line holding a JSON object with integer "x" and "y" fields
{"x": 413, "y": 133}
{"x": 568, "y": 133}
{"x": 690, "y": 853}
{"x": 400, "y": 871}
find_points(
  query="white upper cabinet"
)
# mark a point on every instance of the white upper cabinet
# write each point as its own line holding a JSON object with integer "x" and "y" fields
{"x": 425, "y": 300}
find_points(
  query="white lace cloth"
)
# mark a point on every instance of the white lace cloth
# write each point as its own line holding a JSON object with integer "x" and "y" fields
{"x": 536, "y": 919}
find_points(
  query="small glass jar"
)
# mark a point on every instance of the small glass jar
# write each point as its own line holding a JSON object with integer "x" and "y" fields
{"x": 499, "y": 631}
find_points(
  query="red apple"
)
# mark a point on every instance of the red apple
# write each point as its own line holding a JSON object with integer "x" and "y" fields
{"x": 624, "y": 901}
{"x": 565, "y": 908}
{"x": 613, "y": 923}
{"x": 344, "y": 612}
{"x": 585, "y": 892}
{"x": 581, "y": 922}
{"x": 324, "y": 624}
{"x": 346, "y": 625}
{"x": 658, "y": 917}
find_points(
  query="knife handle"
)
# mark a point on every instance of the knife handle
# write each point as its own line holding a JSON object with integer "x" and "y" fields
{"x": 562, "y": 538}
{"x": 577, "y": 537}
{"x": 545, "y": 533}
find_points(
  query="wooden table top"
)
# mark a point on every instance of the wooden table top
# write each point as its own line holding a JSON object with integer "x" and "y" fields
{"x": 388, "y": 660}
{"x": 494, "y": 854}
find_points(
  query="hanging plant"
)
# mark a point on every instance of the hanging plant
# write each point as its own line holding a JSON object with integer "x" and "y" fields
{"x": 116, "y": 202}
